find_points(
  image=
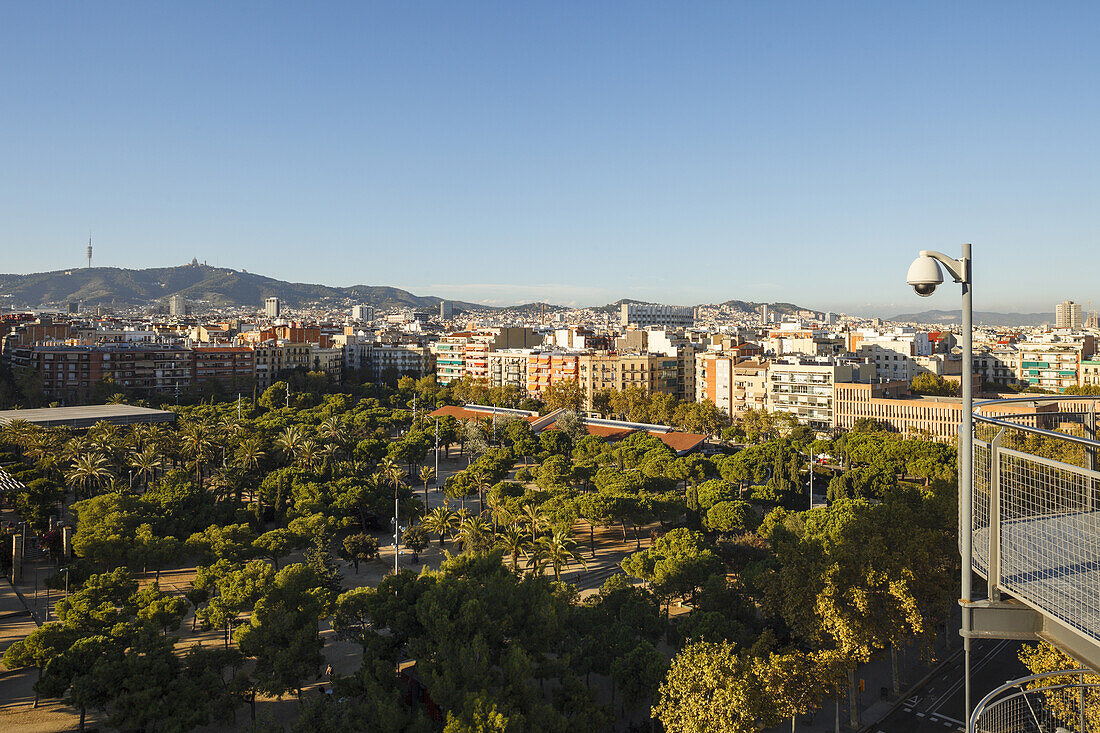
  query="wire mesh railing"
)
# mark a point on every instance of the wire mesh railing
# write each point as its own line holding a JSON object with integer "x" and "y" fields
{"x": 1066, "y": 701}
{"x": 1036, "y": 507}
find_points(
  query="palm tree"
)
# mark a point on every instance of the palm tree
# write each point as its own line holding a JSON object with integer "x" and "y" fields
{"x": 90, "y": 470}
{"x": 474, "y": 534}
{"x": 334, "y": 431}
{"x": 289, "y": 441}
{"x": 250, "y": 452}
{"x": 145, "y": 463}
{"x": 480, "y": 482}
{"x": 392, "y": 471}
{"x": 513, "y": 541}
{"x": 558, "y": 550}
{"x": 427, "y": 475}
{"x": 308, "y": 453}
{"x": 196, "y": 445}
{"x": 535, "y": 518}
{"x": 441, "y": 521}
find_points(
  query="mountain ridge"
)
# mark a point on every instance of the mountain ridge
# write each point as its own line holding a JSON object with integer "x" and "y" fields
{"x": 989, "y": 318}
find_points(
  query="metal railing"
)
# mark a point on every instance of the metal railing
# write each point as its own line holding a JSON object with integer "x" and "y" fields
{"x": 1051, "y": 702}
{"x": 1036, "y": 508}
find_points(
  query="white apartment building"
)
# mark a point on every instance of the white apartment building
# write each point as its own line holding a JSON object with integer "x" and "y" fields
{"x": 1067, "y": 314}
{"x": 362, "y": 313}
{"x": 997, "y": 364}
{"x": 508, "y": 368}
{"x": 895, "y": 353}
{"x": 272, "y": 308}
{"x": 796, "y": 338}
{"x": 804, "y": 388}
{"x": 653, "y": 314}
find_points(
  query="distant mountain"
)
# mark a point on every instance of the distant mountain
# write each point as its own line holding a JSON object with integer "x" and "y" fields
{"x": 746, "y": 306}
{"x": 988, "y": 318}
{"x": 219, "y": 286}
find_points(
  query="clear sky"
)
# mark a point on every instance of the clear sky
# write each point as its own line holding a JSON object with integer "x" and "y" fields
{"x": 574, "y": 152}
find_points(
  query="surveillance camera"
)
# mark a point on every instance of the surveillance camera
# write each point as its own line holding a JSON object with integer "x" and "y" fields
{"x": 924, "y": 275}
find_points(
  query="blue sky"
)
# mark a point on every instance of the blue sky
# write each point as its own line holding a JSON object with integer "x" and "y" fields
{"x": 570, "y": 152}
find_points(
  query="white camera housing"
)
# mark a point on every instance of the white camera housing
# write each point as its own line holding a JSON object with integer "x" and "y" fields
{"x": 924, "y": 275}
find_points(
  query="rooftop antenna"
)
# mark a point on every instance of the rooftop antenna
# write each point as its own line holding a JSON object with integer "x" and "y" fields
{"x": 89, "y": 248}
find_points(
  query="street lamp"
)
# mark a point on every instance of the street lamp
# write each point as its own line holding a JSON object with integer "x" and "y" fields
{"x": 925, "y": 276}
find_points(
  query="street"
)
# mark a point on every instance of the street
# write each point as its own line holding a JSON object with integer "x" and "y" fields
{"x": 939, "y": 704}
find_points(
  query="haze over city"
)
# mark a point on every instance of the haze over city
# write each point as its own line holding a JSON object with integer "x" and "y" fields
{"x": 574, "y": 153}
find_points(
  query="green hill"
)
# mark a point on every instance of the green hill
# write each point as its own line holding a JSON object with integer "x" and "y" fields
{"x": 219, "y": 286}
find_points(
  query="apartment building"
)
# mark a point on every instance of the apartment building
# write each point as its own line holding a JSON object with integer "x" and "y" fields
{"x": 799, "y": 339}
{"x": 804, "y": 388}
{"x": 1090, "y": 373}
{"x": 548, "y": 367}
{"x": 232, "y": 366}
{"x": 996, "y": 364}
{"x": 508, "y": 368}
{"x": 1067, "y": 314}
{"x": 734, "y": 385}
{"x": 1053, "y": 362}
{"x": 617, "y": 371}
{"x": 72, "y": 371}
{"x": 653, "y": 314}
{"x": 466, "y": 353}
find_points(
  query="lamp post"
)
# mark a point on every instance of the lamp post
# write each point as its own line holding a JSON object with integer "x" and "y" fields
{"x": 924, "y": 275}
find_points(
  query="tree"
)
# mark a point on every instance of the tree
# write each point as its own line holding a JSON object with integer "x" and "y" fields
{"x": 474, "y": 534}
{"x": 514, "y": 542}
{"x": 933, "y": 384}
{"x": 427, "y": 476}
{"x": 441, "y": 521}
{"x": 352, "y": 618}
{"x": 150, "y": 549}
{"x": 677, "y": 564}
{"x": 238, "y": 589}
{"x": 567, "y": 394}
{"x": 86, "y": 672}
{"x": 233, "y": 542}
{"x": 281, "y": 634}
{"x": 275, "y": 544}
{"x": 359, "y": 547}
{"x": 89, "y": 472}
{"x": 705, "y": 690}
{"x": 38, "y": 648}
{"x": 416, "y": 539}
{"x": 558, "y": 551}
{"x": 638, "y": 672}
{"x": 729, "y": 517}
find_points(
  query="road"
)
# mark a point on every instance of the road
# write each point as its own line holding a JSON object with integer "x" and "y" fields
{"x": 938, "y": 705}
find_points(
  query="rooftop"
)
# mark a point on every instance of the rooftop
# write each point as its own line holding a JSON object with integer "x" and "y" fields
{"x": 87, "y": 416}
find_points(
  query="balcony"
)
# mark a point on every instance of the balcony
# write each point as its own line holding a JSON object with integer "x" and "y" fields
{"x": 1035, "y": 532}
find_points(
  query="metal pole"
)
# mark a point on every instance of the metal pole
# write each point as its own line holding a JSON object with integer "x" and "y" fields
{"x": 1083, "y": 722}
{"x": 811, "y": 457}
{"x": 436, "y": 452}
{"x": 966, "y": 468}
{"x": 396, "y": 532}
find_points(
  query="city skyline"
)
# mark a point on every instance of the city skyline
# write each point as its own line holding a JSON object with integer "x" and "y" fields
{"x": 491, "y": 155}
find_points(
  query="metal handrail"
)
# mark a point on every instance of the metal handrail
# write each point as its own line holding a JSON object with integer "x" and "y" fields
{"x": 1007, "y": 422}
{"x": 1020, "y": 682}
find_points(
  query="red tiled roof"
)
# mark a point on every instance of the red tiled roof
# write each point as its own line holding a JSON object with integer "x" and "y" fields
{"x": 459, "y": 413}
{"x": 680, "y": 442}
